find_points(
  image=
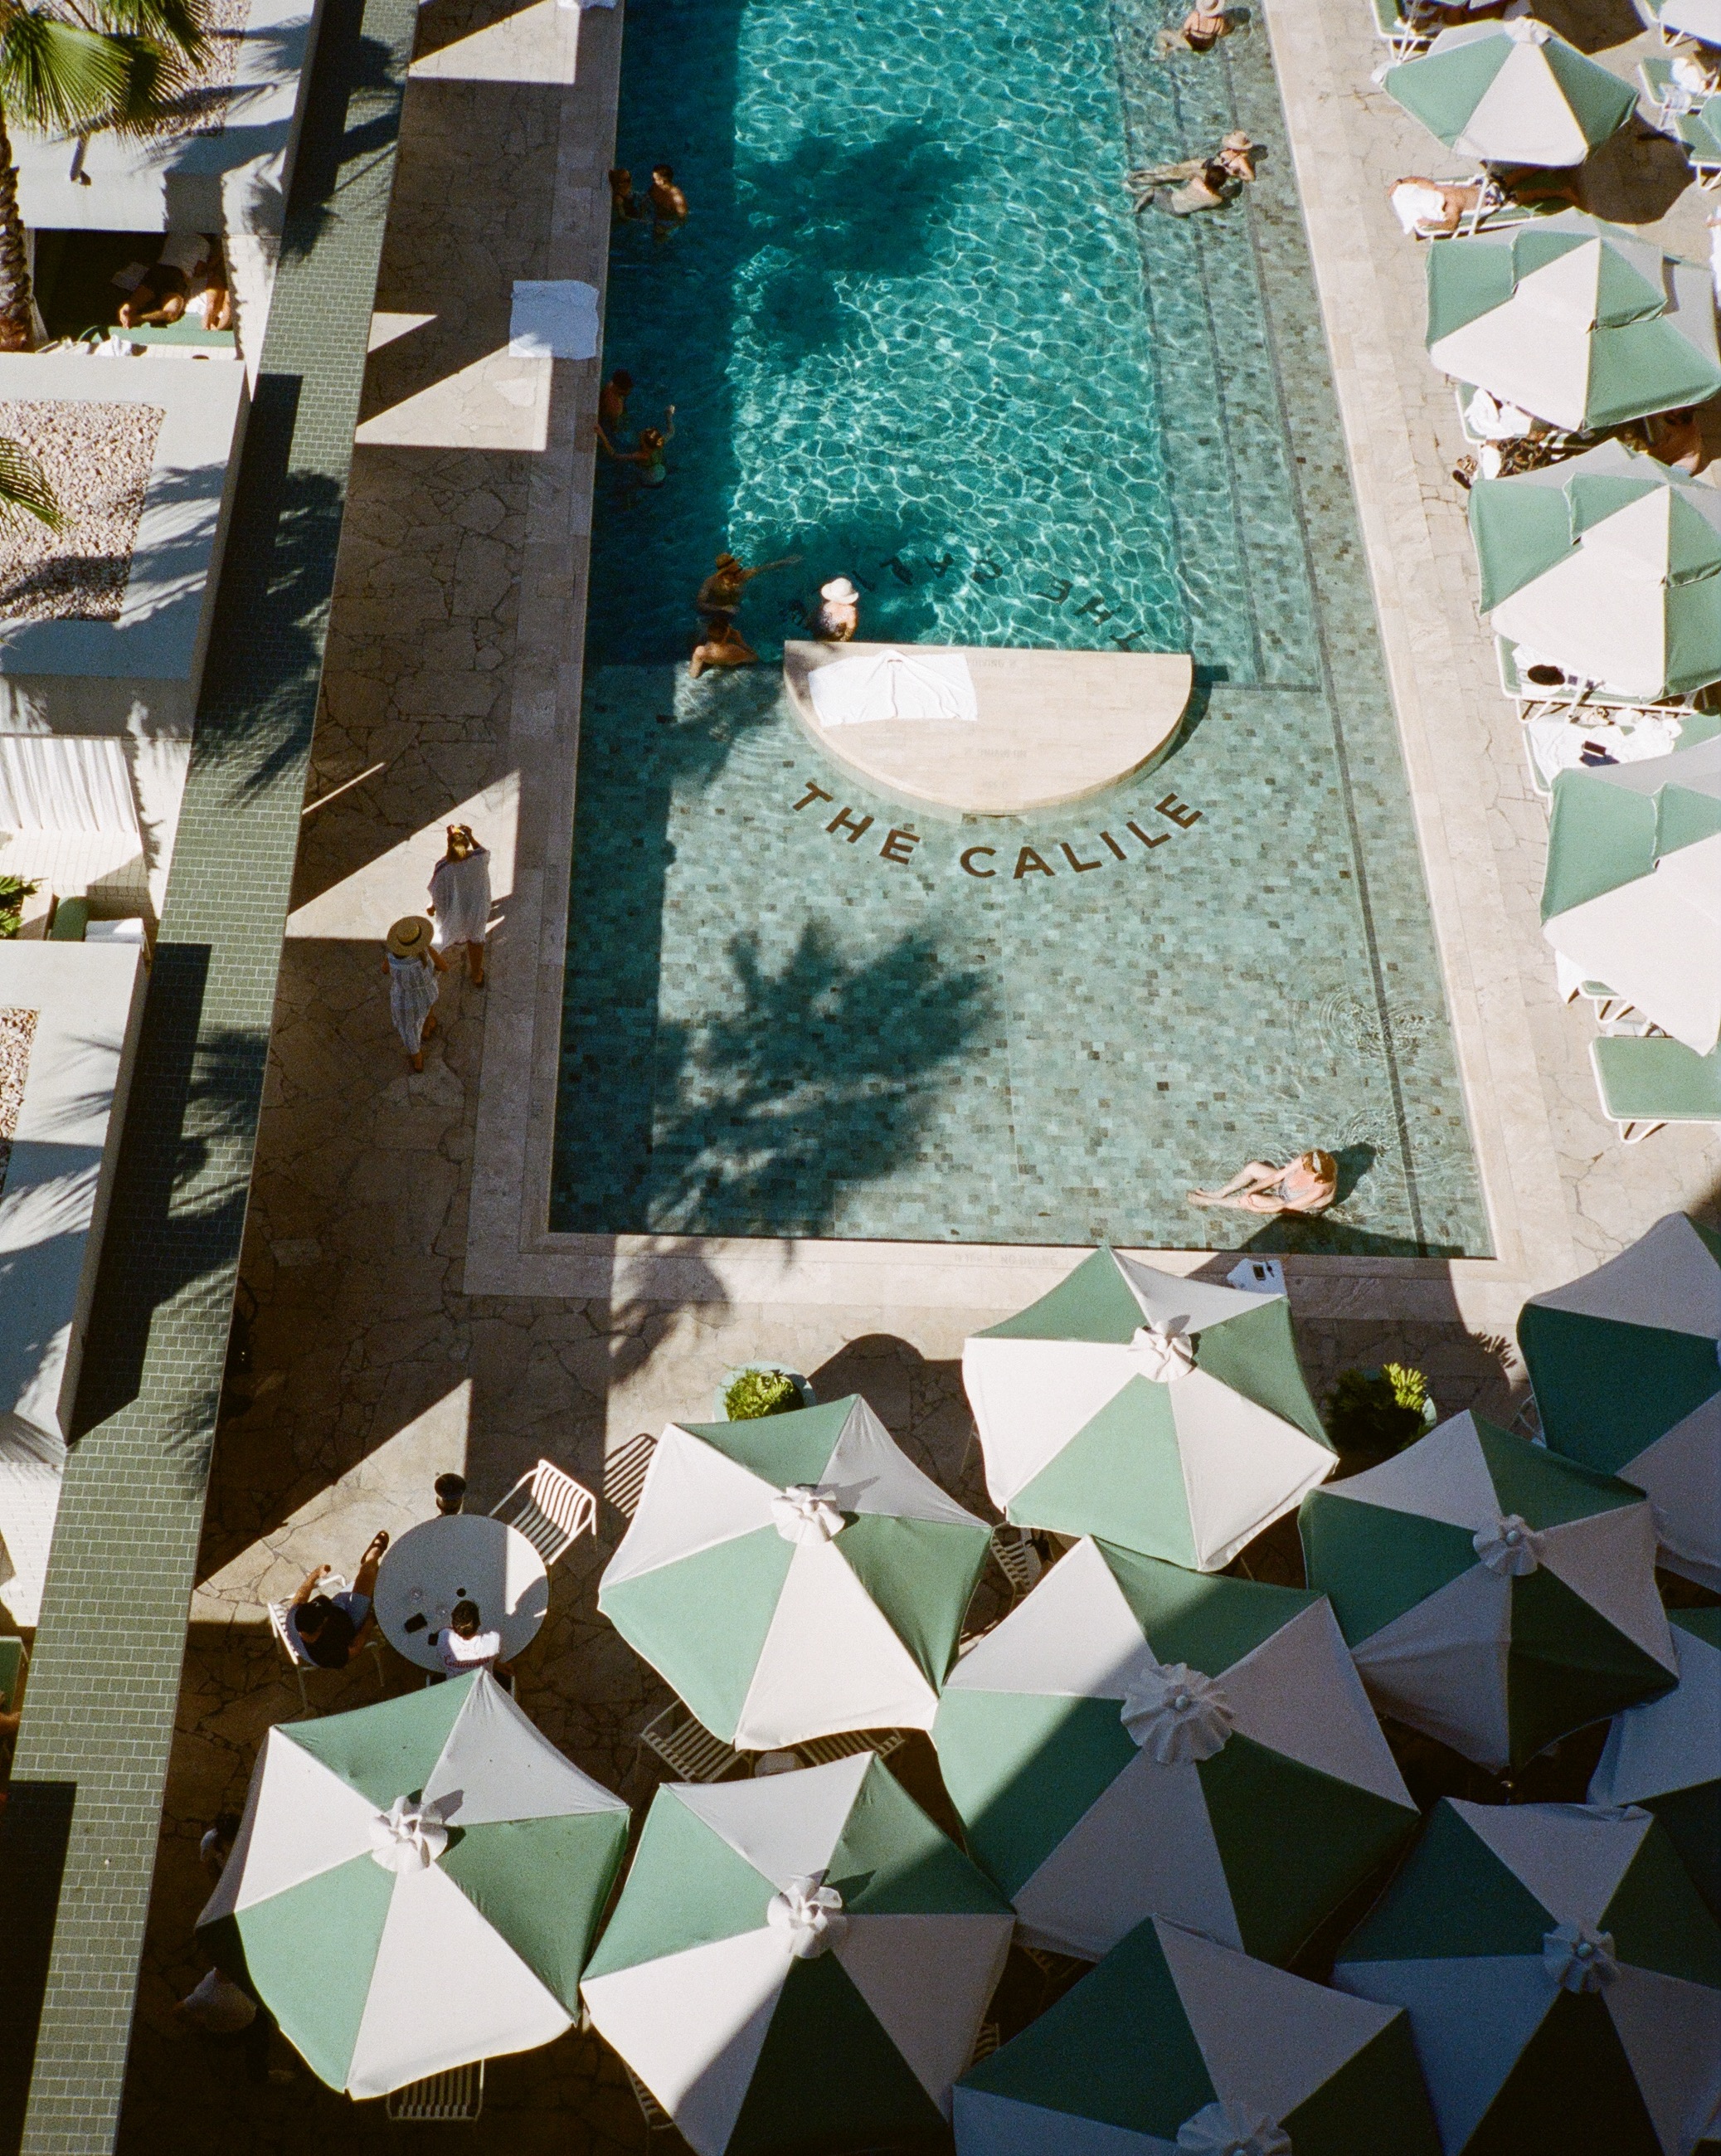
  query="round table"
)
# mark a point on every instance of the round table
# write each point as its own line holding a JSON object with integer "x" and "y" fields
{"x": 464, "y": 1557}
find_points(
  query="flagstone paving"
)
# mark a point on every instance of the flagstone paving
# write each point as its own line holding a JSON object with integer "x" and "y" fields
{"x": 370, "y": 1369}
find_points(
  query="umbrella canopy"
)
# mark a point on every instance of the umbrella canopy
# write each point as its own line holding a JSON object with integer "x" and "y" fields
{"x": 1610, "y": 565}
{"x": 1580, "y": 323}
{"x": 1135, "y": 1740}
{"x": 1667, "y": 1756}
{"x": 800, "y": 1962}
{"x": 1698, "y": 19}
{"x": 1513, "y": 93}
{"x": 1632, "y": 894}
{"x": 795, "y": 1576}
{"x": 1562, "y": 1979}
{"x": 1495, "y": 1596}
{"x": 1174, "y": 2043}
{"x": 1625, "y": 1364}
{"x": 416, "y": 1885}
{"x": 1165, "y": 1415}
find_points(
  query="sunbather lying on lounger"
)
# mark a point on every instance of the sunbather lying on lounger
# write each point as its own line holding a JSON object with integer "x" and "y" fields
{"x": 1434, "y": 209}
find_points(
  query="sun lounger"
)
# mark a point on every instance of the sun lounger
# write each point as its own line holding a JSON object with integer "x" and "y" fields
{"x": 1671, "y": 100}
{"x": 1701, "y": 135}
{"x": 1394, "y": 26}
{"x": 1643, "y": 1083}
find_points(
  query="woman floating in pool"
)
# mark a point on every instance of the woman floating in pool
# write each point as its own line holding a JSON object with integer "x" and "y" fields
{"x": 1308, "y": 1184}
{"x": 1199, "y": 32}
{"x": 1210, "y": 182}
{"x": 648, "y": 453}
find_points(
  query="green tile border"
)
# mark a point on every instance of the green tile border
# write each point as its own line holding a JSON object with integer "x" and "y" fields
{"x": 105, "y": 1674}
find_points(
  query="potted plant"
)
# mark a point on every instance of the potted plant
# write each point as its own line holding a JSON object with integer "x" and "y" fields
{"x": 753, "y": 1389}
{"x": 14, "y": 891}
{"x": 1380, "y": 1410}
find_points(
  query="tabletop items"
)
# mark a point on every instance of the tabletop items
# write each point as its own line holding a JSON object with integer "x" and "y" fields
{"x": 460, "y": 1557}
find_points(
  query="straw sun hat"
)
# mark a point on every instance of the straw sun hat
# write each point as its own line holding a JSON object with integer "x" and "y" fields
{"x": 410, "y": 937}
{"x": 839, "y": 587}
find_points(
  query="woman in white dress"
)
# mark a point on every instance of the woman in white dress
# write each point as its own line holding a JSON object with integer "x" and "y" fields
{"x": 413, "y": 963}
{"x": 460, "y": 898}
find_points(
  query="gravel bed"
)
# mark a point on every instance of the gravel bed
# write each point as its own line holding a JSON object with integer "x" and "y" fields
{"x": 18, "y": 1028}
{"x": 200, "y": 108}
{"x": 97, "y": 459}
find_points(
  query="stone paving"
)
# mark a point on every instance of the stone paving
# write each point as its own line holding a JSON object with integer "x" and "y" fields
{"x": 368, "y": 1369}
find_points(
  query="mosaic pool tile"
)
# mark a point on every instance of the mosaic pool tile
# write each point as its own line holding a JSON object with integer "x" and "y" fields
{"x": 775, "y": 1024}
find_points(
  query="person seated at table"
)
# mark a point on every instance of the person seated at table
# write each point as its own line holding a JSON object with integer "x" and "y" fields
{"x": 330, "y": 1628}
{"x": 1308, "y": 1184}
{"x": 463, "y": 1645}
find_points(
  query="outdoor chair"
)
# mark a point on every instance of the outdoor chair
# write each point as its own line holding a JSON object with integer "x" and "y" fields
{"x": 1643, "y": 1082}
{"x": 300, "y": 1662}
{"x": 1018, "y": 1560}
{"x": 687, "y": 1748}
{"x": 624, "y": 1473}
{"x": 1701, "y": 135}
{"x": 1608, "y": 1004}
{"x": 657, "y": 2119}
{"x": 1671, "y": 100}
{"x": 549, "y": 1509}
{"x": 1396, "y": 28}
{"x": 454, "y": 2098}
{"x": 821, "y": 1751}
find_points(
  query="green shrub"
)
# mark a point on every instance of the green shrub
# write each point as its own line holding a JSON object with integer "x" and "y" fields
{"x": 14, "y": 891}
{"x": 1377, "y": 1410}
{"x": 756, "y": 1393}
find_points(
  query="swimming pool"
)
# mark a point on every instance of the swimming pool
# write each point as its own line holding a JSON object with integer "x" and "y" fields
{"x": 915, "y": 334}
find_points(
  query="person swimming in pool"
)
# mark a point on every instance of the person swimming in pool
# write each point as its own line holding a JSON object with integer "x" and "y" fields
{"x": 624, "y": 205}
{"x": 720, "y": 594}
{"x": 838, "y": 616}
{"x": 668, "y": 203}
{"x": 722, "y": 645}
{"x": 647, "y": 454}
{"x": 613, "y": 399}
{"x": 1199, "y": 32}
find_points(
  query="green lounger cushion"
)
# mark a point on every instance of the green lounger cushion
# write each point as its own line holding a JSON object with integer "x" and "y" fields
{"x": 1656, "y": 1080}
{"x": 71, "y": 917}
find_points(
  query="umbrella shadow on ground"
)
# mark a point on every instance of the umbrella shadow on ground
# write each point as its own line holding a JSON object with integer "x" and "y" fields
{"x": 1636, "y": 176}
{"x": 920, "y": 1402}
{"x": 1592, "y": 25}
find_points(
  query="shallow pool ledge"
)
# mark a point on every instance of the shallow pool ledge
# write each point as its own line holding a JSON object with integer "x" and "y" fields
{"x": 1053, "y": 726}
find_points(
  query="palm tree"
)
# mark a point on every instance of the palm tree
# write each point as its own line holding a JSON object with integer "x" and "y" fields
{"x": 73, "y": 69}
{"x": 24, "y": 489}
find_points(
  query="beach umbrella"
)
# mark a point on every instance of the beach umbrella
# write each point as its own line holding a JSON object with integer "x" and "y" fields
{"x": 1165, "y": 1415}
{"x": 1175, "y": 2043}
{"x": 1625, "y": 1364}
{"x": 1494, "y": 1595}
{"x": 1610, "y": 565}
{"x": 416, "y": 1885}
{"x": 1632, "y": 893}
{"x": 1579, "y": 323}
{"x": 794, "y": 1576}
{"x": 1666, "y": 1755}
{"x": 1512, "y": 93}
{"x": 800, "y": 1962}
{"x": 1135, "y": 1740}
{"x": 1698, "y": 19}
{"x": 1562, "y": 1979}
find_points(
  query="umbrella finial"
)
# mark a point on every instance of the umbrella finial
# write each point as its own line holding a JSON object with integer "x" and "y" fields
{"x": 1162, "y": 1350}
{"x": 810, "y": 1913}
{"x": 1233, "y": 2129}
{"x": 1175, "y": 1713}
{"x": 802, "y": 1513}
{"x": 1511, "y": 1548}
{"x": 1579, "y": 1957}
{"x": 409, "y": 1836}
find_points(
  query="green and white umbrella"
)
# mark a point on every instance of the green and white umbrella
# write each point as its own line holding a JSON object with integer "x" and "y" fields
{"x": 1667, "y": 1756}
{"x": 1579, "y": 323}
{"x": 416, "y": 1884}
{"x": 1165, "y": 1415}
{"x": 1135, "y": 1740}
{"x": 1175, "y": 2044}
{"x": 1610, "y": 565}
{"x": 1626, "y": 1365}
{"x": 795, "y": 1576}
{"x": 1512, "y": 93}
{"x": 1562, "y": 1979}
{"x": 1494, "y": 1595}
{"x": 798, "y": 1963}
{"x": 1632, "y": 895}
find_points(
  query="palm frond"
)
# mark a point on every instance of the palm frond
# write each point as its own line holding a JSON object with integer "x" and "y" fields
{"x": 170, "y": 26}
{"x": 58, "y": 78}
{"x": 24, "y": 488}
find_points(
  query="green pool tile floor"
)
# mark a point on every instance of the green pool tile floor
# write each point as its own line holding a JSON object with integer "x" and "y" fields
{"x": 913, "y": 332}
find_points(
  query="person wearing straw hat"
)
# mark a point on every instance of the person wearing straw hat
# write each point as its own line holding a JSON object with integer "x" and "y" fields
{"x": 460, "y": 899}
{"x": 413, "y": 963}
{"x": 838, "y": 615}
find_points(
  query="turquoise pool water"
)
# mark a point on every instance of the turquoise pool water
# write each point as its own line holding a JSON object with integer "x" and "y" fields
{"x": 914, "y": 333}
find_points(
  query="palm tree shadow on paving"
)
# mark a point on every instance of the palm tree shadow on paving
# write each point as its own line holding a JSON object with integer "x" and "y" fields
{"x": 817, "y": 1076}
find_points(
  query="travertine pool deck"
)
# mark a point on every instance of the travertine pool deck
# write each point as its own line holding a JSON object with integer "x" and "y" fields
{"x": 413, "y": 1313}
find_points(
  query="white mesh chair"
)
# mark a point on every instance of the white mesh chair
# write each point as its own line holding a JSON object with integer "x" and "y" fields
{"x": 657, "y": 2119}
{"x": 821, "y": 1751}
{"x": 287, "y": 1640}
{"x": 1018, "y": 1560}
{"x": 687, "y": 1748}
{"x": 549, "y": 1509}
{"x": 454, "y": 2098}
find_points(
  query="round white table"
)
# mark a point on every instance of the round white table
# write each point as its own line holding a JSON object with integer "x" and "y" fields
{"x": 464, "y": 1557}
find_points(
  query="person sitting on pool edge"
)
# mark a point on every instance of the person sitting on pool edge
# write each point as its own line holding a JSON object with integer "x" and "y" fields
{"x": 722, "y": 645}
{"x": 462, "y": 1645}
{"x": 838, "y": 616}
{"x": 1307, "y": 1184}
{"x": 668, "y": 203}
{"x": 330, "y": 1628}
{"x": 647, "y": 453}
{"x": 1199, "y": 32}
